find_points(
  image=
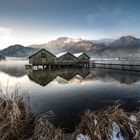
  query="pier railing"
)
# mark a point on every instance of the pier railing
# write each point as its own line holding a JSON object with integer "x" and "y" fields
{"x": 133, "y": 65}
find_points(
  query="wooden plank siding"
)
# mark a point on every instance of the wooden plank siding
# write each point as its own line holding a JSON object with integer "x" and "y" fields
{"x": 42, "y": 57}
{"x": 45, "y": 58}
{"x": 83, "y": 60}
{"x": 67, "y": 59}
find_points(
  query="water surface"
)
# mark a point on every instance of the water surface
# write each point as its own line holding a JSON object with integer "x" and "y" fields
{"x": 68, "y": 92}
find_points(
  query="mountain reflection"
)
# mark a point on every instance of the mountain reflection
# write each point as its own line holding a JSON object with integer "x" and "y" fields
{"x": 124, "y": 77}
{"x": 44, "y": 77}
{"x": 13, "y": 68}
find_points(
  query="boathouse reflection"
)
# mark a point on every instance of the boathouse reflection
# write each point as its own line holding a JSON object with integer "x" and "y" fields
{"x": 45, "y": 76}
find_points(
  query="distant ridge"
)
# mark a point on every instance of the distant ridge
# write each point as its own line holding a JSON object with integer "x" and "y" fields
{"x": 68, "y": 44}
{"x": 18, "y": 51}
{"x": 2, "y": 57}
{"x": 121, "y": 47}
{"x": 126, "y": 41}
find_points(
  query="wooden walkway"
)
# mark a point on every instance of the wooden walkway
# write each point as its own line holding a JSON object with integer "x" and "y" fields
{"x": 117, "y": 64}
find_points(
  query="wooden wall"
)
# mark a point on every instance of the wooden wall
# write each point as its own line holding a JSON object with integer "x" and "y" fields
{"x": 42, "y": 58}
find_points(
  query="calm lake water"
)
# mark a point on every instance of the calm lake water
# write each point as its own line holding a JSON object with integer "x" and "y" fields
{"x": 68, "y": 92}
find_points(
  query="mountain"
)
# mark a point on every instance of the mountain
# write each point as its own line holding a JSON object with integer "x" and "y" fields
{"x": 73, "y": 45}
{"x": 122, "y": 47}
{"x": 105, "y": 41}
{"x": 126, "y": 41}
{"x": 18, "y": 51}
{"x": 2, "y": 57}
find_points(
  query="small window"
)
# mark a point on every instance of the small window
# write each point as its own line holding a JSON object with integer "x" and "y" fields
{"x": 43, "y": 54}
{"x": 30, "y": 60}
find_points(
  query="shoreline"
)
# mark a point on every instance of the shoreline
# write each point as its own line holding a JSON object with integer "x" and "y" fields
{"x": 17, "y": 121}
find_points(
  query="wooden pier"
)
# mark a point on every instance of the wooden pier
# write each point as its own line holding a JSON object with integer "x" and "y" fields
{"x": 127, "y": 65}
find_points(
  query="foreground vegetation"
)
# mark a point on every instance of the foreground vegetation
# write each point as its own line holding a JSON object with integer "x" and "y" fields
{"x": 111, "y": 123}
{"x": 18, "y": 122}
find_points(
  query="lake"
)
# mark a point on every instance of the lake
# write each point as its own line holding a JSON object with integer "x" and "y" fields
{"x": 68, "y": 92}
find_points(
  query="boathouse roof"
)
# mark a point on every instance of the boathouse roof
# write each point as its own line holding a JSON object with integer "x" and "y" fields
{"x": 40, "y": 51}
{"x": 61, "y": 54}
{"x": 79, "y": 54}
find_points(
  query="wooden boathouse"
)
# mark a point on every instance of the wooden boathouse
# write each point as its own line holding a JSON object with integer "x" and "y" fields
{"x": 66, "y": 59}
{"x": 44, "y": 59}
{"x": 83, "y": 60}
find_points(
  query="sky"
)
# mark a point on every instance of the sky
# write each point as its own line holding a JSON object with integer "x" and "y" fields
{"x": 29, "y": 22}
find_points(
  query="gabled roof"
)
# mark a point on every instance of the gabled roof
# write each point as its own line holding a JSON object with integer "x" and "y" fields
{"x": 79, "y": 54}
{"x": 60, "y": 54}
{"x": 40, "y": 51}
{"x": 63, "y": 53}
{"x": 87, "y": 55}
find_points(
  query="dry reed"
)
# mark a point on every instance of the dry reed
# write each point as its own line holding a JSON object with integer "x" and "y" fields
{"x": 99, "y": 125}
{"x": 16, "y": 118}
{"x": 44, "y": 130}
{"x": 17, "y": 122}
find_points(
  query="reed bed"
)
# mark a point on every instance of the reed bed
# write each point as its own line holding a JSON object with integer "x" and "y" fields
{"x": 44, "y": 130}
{"x": 112, "y": 123}
{"x": 16, "y": 118}
{"x": 18, "y": 122}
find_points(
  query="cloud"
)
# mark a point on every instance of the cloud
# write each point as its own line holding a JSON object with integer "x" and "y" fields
{"x": 120, "y": 34}
{"x": 118, "y": 11}
{"x": 103, "y": 9}
{"x": 6, "y": 37}
{"x": 103, "y": 14}
{"x": 97, "y": 15}
{"x": 91, "y": 18}
{"x": 5, "y": 31}
{"x": 88, "y": 10}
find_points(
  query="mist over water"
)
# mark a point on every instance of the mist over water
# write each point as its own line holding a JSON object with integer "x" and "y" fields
{"x": 68, "y": 92}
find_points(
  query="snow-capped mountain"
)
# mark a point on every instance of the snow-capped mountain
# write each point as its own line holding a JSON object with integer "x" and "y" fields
{"x": 18, "y": 51}
{"x": 69, "y": 44}
{"x": 126, "y": 41}
{"x": 102, "y": 48}
{"x": 105, "y": 41}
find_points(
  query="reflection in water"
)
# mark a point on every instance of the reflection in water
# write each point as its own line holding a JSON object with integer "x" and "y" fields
{"x": 13, "y": 68}
{"x": 102, "y": 88}
{"x": 44, "y": 77}
{"x": 41, "y": 77}
{"x": 124, "y": 77}
{"x": 68, "y": 92}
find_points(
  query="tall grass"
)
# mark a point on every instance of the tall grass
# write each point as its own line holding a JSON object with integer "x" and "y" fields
{"x": 16, "y": 118}
{"x": 44, "y": 130}
{"x": 100, "y": 125}
{"x": 18, "y": 122}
